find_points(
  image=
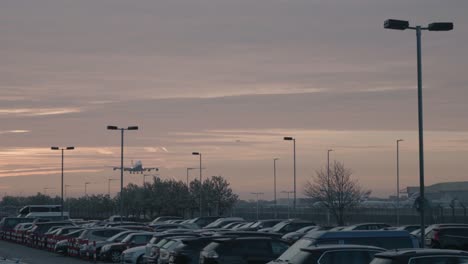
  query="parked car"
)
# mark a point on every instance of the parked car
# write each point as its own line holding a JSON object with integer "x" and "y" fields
{"x": 8, "y": 223}
{"x": 224, "y": 221}
{"x": 428, "y": 229}
{"x": 113, "y": 239}
{"x": 203, "y": 221}
{"x": 165, "y": 218}
{"x": 154, "y": 245}
{"x": 408, "y": 228}
{"x": 158, "y": 227}
{"x": 366, "y": 226}
{"x": 242, "y": 250}
{"x": 296, "y": 235}
{"x": 112, "y": 252}
{"x": 288, "y": 226}
{"x": 331, "y": 254}
{"x": 95, "y": 235}
{"x": 448, "y": 237}
{"x": 155, "y": 249}
{"x": 381, "y": 238}
{"x": 421, "y": 256}
{"x": 133, "y": 255}
{"x": 261, "y": 224}
{"x": 247, "y": 234}
{"x": 61, "y": 246}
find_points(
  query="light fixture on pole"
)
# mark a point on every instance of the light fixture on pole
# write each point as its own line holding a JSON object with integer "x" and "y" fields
{"x": 86, "y": 188}
{"x": 439, "y": 26}
{"x": 398, "y": 182}
{"x": 289, "y": 204}
{"x": 328, "y": 183}
{"x": 257, "y": 194}
{"x": 108, "y": 185}
{"x": 121, "y": 161}
{"x": 61, "y": 198}
{"x": 201, "y": 183}
{"x": 274, "y": 187}
{"x": 294, "y": 150}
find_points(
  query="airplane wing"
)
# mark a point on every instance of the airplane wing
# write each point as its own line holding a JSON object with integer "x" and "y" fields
{"x": 151, "y": 169}
{"x": 125, "y": 168}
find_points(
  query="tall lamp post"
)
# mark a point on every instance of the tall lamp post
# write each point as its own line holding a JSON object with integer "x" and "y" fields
{"x": 86, "y": 188}
{"x": 274, "y": 186}
{"x": 398, "y": 181}
{"x": 328, "y": 183}
{"x": 61, "y": 199}
{"x": 121, "y": 161}
{"x": 294, "y": 150}
{"x": 257, "y": 194}
{"x": 201, "y": 183}
{"x": 108, "y": 185}
{"x": 438, "y": 26}
{"x": 189, "y": 169}
{"x": 288, "y": 192}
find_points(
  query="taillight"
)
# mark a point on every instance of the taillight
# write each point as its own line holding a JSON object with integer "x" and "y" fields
{"x": 436, "y": 235}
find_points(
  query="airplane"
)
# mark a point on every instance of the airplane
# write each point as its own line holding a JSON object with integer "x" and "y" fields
{"x": 137, "y": 168}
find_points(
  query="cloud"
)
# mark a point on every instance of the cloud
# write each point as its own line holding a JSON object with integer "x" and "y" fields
{"x": 17, "y": 131}
{"x": 38, "y": 111}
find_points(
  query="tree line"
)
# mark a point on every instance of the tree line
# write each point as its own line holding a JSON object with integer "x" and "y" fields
{"x": 159, "y": 197}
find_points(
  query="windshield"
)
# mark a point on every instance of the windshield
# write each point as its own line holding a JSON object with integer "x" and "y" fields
{"x": 295, "y": 249}
{"x": 118, "y": 237}
{"x": 278, "y": 226}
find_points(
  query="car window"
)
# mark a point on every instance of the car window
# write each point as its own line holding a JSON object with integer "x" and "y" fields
{"x": 296, "y": 248}
{"x": 344, "y": 256}
{"x": 99, "y": 233}
{"x": 255, "y": 247}
{"x": 140, "y": 239}
{"x": 278, "y": 247}
{"x": 438, "y": 260}
{"x": 109, "y": 233}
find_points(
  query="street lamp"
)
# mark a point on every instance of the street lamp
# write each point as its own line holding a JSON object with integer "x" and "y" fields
{"x": 85, "y": 188}
{"x": 288, "y": 192}
{"x": 294, "y": 149}
{"x": 108, "y": 185}
{"x": 201, "y": 184}
{"x": 189, "y": 169}
{"x": 328, "y": 183}
{"x": 398, "y": 182}
{"x": 274, "y": 186}
{"x": 440, "y": 26}
{"x": 257, "y": 194}
{"x": 61, "y": 199}
{"x": 121, "y": 161}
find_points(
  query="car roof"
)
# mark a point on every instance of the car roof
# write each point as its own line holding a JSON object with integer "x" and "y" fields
{"x": 420, "y": 252}
{"x": 333, "y": 247}
{"x": 357, "y": 234}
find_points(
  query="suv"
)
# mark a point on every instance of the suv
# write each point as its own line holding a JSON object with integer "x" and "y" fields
{"x": 242, "y": 250}
{"x": 329, "y": 254}
{"x": 114, "y": 251}
{"x": 202, "y": 221}
{"x": 366, "y": 226}
{"x": 383, "y": 239}
{"x": 153, "y": 246}
{"x": 261, "y": 224}
{"x": 421, "y": 256}
{"x": 224, "y": 221}
{"x": 448, "y": 238}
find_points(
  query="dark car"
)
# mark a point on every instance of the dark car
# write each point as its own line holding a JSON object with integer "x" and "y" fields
{"x": 421, "y": 256}
{"x": 203, "y": 221}
{"x": 188, "y": 250}
{"x": 153, "y": 249}
{"x": 112, "y": 252}
{"x": 261, "y": 224}
{"x": 366, "y": 226}
{"x": 383, "y": 239}
{"x": 247, "y": 234}
{"x": 448, "y": 238}
{"x": 428, "y": 229}
{"x": 62, "y": 245}
{"x": 242, "y": 250}
{"x": 288, "y": 226}
{"x": 113, "y": 239}
{"x": 296, "y": 235}
{"x": 332, "y": 254}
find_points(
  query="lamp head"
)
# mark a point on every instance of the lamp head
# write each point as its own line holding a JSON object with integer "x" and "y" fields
{"x": 440, "y": 26}
{"x": 112, "y": 127}
{"x": 396, "y": 24}
{"x": 196, "y": 153}
{"x": 54, "y": 148}
{"x": 132, "y": 128}
{"x": 288, "y": 138}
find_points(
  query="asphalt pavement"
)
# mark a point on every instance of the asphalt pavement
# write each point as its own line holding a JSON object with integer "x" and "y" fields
{"x": 34, "y": 256}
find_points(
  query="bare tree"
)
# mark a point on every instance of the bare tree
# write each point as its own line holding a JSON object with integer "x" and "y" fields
{"x": 338, "y": 192}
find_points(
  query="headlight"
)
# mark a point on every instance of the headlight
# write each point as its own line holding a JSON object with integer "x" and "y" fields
{"x": 105, "y": 248}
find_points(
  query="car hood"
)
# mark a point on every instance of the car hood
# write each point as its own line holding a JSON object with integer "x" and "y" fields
{"x": 135, "y": 249}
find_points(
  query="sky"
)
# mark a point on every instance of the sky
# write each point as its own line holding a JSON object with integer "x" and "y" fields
{"x": 229, "y": 79}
